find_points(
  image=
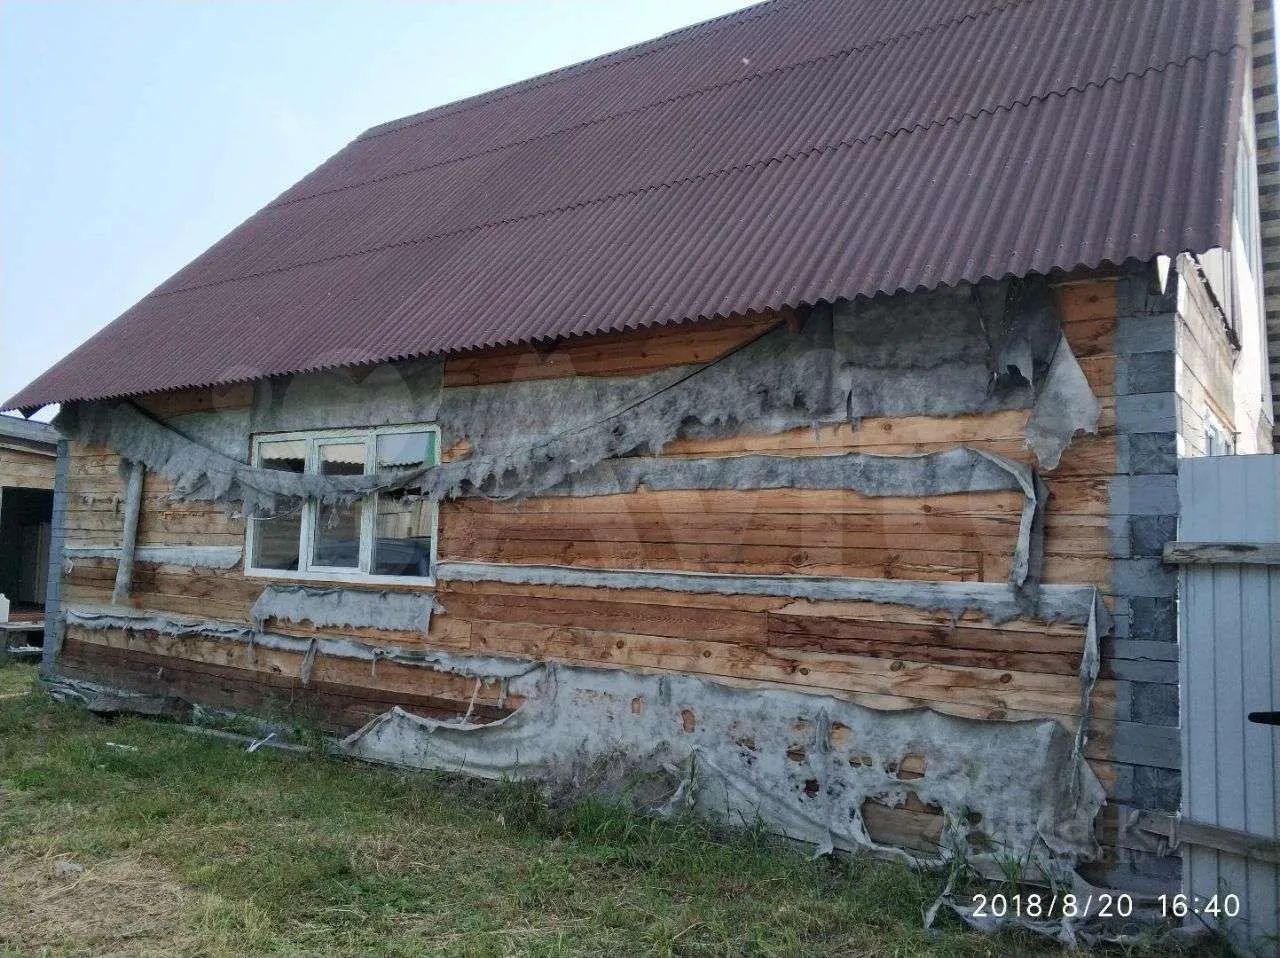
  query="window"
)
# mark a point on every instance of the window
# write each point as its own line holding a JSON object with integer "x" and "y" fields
{"x": 1218, "y": 440}
{"x": 387, "y": 536}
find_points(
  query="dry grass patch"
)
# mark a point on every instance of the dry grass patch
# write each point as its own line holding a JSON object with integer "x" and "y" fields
{"x": 116, "y": 906}
{"x": 16, "y": 678}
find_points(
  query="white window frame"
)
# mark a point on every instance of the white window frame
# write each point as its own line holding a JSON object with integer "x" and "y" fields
{"x": 314, "y": 439}
{"x": 1218, "y": 439}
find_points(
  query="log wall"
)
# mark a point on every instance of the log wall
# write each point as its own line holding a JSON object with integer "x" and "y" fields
{"x": 884, "y": 656}
{"x": 25, "y": 468}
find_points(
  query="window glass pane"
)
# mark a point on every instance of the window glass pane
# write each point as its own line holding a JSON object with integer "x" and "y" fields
{"x": 287, "y": 455}
{"x": 276, "y": 538}
{"x": 336, "y": 541}
{"x": 404, "y": 450}
{"x": 402, "y": 533}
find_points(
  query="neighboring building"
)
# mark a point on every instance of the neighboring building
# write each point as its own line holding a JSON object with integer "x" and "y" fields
{"x": 806, "y": 385}
{"x": 28, "y": 451}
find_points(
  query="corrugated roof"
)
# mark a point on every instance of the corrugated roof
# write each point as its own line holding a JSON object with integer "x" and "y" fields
{"x": 796, "y": 151}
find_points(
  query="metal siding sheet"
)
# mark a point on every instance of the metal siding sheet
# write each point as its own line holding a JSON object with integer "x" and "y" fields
{"x": 798, "y": 151}
{"x": 1199, "y": 793}
{"x": 1259, "y": 783}
{"x": 1230, "y": 636}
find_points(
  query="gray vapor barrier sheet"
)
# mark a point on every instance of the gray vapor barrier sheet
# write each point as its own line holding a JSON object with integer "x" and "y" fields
{"x": 1079, "y": 605}
{"x": 996, "y": 601}
{"x": 196, "y": 557}
{"x": 199, "y": 472}
{"x": 802, "y": 763}
{"x": 947, "y": 352}
{"x": 355, "y": 608}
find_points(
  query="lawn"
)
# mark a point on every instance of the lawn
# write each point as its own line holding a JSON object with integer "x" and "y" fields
{"x": 136, "y": 837}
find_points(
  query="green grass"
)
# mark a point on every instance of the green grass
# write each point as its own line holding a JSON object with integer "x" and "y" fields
{"x": 15, "y": 678}
{"x": 139, "y": 838}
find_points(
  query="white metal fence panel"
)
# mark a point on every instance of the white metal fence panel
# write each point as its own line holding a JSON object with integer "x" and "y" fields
{"x": 1230, "y": 636}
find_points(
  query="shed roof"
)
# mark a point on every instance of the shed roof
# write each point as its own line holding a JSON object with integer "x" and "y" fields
{"x": 27, "y": 431}
{"x": 793, "y": 152}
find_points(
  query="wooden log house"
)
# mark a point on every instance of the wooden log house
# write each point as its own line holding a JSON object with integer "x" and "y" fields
{"x": 646, "y": 217}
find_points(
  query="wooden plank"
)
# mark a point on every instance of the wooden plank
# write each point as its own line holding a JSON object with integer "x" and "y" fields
{"x": 569, "y": 594}
{"x": 17, "y": 446}
{"x": 994, "y": 690}
{"x": 626, "y": 353}
{"x": 1055, "y": 632}
{"x": 937, "y": 644}
{"x": 913, "y": 825}
{"x": 106, "y": 503}
{"x": 1001, "y": 433}
{"x": 174, "y": 605}
{"x": 156, "y": 523}
{"x": 676, "y": 619}
{"x": 228, "y": 595}
{"x": 363, "y": 678}
{"x": 1088, "y": 495}
{"x": 1176, "y": 830}
{"x": 1222, "y": 553}
{"x": 25, "y": 470}
{"x": 699, "y": 557}
{"x": 1017, "y": 633}
{"x": 333, "y": 705}
{"x": 611, "y": 621}
{"x": 201, "y": 399}
{"x": 797, "y": 501}
{"x": 937, "y": 532}
{"x": 446, "y": 633}
{"x": 1081, "y": 300}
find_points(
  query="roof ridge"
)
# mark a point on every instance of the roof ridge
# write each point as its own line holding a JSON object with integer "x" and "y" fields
{"x": 747, "y": 165}
{"x": 686, "y": 95}
{"x": 551, "y": 77}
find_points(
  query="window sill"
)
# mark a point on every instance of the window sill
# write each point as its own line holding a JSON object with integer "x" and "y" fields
{"x": 338, "y": 578}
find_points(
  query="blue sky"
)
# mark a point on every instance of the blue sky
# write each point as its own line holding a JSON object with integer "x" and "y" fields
{"x": 135, "y": 133}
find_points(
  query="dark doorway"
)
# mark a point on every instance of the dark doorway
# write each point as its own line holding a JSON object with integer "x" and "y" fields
{"x": 25, "y": 530}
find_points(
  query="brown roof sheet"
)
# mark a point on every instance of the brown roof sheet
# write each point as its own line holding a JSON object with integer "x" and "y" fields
{"x": 796, "y": 151}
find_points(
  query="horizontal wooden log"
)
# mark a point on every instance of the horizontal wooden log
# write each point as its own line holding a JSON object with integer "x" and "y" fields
{"x": 25, "y": 470}
{"x": 628, "y": 353}
{"x": 877, "y": 611}
{"x": 1222, "y": 553}
{"x": 385, "y": 681}
{"x": 701, "y": 557}
{"x": 675, "y": 619}
{"x": 1001, "y": 433}
{"x": 935, "y": 643}
{"x": 994, "y": 691}
{"x": 155, "y": 522}
{"x": 202, "y": 399}
{"x": 392, "y": 680}
{"x": 333, "y": 706}
{"x": 1082, "y": 496}
{"x": 936, "y": 532}
{"x": 913, "y": 825}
